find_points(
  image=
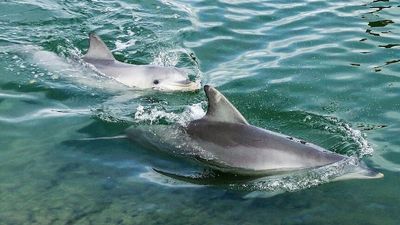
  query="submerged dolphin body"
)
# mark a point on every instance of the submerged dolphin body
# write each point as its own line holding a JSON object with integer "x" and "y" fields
{"x": 138, "y": 76}
{"x": 236, "y": 147}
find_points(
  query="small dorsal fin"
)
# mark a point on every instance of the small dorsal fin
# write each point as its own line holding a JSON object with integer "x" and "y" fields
{"x": 97, "y": 49}
{"x": 220, "y": 109}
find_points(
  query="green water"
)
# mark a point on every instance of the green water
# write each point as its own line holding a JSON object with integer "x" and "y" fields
{"x": 324, "y": 71}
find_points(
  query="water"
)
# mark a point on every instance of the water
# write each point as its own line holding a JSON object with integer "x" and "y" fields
{"x": 324, "y": 71}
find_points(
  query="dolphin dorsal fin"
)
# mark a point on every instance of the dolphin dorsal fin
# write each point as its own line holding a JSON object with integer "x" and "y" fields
{"x": 220, "y": 109}
{"x": 97, "y": 49}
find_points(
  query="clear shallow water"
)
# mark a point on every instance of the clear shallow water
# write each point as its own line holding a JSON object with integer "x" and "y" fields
{"x": 327, "y": 72}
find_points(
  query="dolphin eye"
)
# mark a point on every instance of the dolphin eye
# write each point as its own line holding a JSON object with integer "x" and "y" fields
{"x": 156, "y": 81}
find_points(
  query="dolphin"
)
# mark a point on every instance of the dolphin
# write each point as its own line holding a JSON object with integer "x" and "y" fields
{"x": 137, "y": 76}
{"x": 233, "y": 146}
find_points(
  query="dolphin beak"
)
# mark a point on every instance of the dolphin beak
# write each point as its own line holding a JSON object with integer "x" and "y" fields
{"x": 185, "y": 85}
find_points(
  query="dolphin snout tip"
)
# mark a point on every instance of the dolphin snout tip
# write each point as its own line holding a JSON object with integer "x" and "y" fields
{"x": 185, "y": 85}
{"x": 194, "y": 86}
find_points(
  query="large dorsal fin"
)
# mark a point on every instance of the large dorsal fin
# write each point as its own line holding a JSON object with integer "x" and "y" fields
{"x": 97, "y": 49}
{"x": 220, "y": 109}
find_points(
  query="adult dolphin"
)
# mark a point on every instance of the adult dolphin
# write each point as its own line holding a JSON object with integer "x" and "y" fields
{"x": 234, "y": 146}
{"x": 138, "y": 76}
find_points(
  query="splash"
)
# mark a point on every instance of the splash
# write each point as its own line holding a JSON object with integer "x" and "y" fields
{"x": 156, "y": 114}
{"x": 360, "y": 138}
{"x": 166, "y": 58}
{"x": 119, "y": 45}
{"x": 348, "y": 140}
{"x": 353, "y": 135}
{"x": 301, "y": 179}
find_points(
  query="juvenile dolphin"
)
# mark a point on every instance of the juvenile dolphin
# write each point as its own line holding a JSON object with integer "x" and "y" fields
{"x": 138, "y": 76}
{"x": 234, "y": 146}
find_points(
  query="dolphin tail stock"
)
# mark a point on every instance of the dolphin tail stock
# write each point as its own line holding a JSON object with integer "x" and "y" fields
{"x": 98, "y": 50}
{"x": 360, "y": 172}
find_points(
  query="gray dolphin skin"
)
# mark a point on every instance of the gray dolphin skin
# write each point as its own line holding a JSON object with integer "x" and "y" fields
{"x": 137, "y": 76}
{"x": 236, "y": 147}
{"x": 241, "y": 148}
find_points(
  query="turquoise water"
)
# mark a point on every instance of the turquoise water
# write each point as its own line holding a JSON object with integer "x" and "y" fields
{"x": 324, "y": 71}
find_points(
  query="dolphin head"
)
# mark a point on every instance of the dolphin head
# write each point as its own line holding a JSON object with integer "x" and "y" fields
{"x": 140, "y": 76}
{"x": 172, "y": 79}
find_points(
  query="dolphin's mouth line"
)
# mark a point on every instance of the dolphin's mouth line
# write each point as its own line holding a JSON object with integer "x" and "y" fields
{"x": 187, "y": 86}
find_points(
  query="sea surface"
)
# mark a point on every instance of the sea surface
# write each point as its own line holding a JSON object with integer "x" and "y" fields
{"x": 327, "y": 72}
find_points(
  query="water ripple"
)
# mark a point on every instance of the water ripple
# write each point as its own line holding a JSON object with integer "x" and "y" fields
{"x": 324, "y": 71}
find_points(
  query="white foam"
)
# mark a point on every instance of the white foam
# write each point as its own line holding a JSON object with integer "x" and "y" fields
{"x": 119, "y": 45}
{"x": 166, "y": 58}
{"x": 355, "y": 135}
{"x": 301, "y": 179}
{"x": 154, "y": 114}
{"x": 281, "y": 80}
{"x": 45, "y": 113}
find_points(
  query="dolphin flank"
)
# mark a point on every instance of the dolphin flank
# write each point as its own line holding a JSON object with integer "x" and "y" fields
{"x": 137, "y": 76}
{"x": 236, "y": 147}
{"x": 241, "y": 148}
